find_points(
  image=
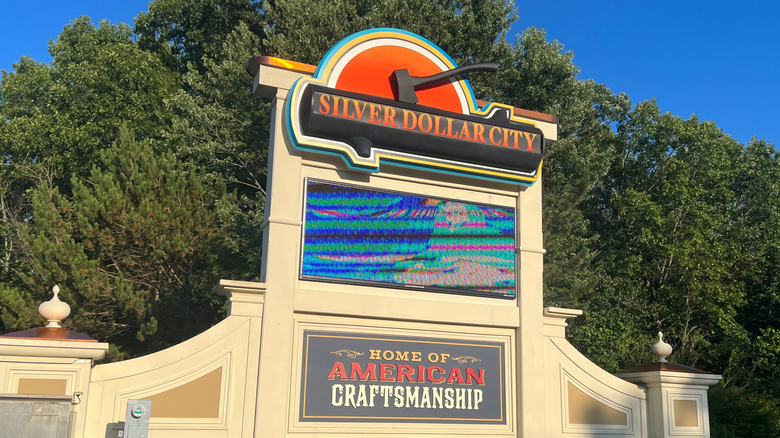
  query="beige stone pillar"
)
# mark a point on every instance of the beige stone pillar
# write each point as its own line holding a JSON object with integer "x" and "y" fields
{"x": 531, "y": 363}
{"x": 676, "y": 396}
{"x": 281, "y": 238}
{"x": 50, "y": 362}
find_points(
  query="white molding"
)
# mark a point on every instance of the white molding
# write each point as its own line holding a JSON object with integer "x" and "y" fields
{"x": 33, "y": 347}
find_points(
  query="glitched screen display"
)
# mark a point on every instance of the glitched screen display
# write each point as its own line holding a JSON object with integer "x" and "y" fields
{"x": 359, "y": 235}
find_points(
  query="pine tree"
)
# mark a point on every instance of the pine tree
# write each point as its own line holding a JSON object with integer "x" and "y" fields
{"x": 134, "y": 249}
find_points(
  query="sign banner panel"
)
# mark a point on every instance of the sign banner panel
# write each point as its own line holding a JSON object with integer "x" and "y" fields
{"x": 373, "y": 378}
{"x": 389, "y": 97}
{"x": 496, "y": 142}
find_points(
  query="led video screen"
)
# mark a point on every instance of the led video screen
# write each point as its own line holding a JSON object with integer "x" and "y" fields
{"x": 360, "y": 235}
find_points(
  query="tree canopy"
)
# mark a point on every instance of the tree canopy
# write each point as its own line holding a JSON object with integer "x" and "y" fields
{"x": 133, "y": 247}
{"x": 134, "y": 176}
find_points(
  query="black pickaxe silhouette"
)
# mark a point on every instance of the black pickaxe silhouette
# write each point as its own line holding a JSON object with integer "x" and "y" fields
{"x": 404, "y": 84}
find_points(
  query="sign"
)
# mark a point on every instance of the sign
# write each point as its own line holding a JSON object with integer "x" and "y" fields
{"x": 372, "y": 378}
{"x": 364, "y": 122}
{"x": 353, "y": 108}
{"x": 365, "y": 236}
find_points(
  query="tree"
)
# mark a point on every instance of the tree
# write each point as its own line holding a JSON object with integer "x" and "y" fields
{"x": 217, "y": 121}
{"x": 55, "y": 119}
{"x": 220, "y": 125}
{"x": 186, "y": 32}
{"x": 470, "y": 31}
{"x": 59, "y": 115}
{"x": 133, "y": 249}
{"x": 755, "y": 231}
{"x": 662, "y": 216}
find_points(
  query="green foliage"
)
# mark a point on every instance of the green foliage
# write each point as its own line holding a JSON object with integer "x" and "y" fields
{"x": 185, "y": 32}
{"x": 133, "y": 248}
{"x": 304, "y": 30}
{"x": 660, "y": 217}
{"x": 59, "y": 115}
{"x": 651, "y": 222}
{"x": 18, "y": 308}
{"x": 738, "y": 413}
{"x": 755, "y": 232}
{"x": 222, "y": 127}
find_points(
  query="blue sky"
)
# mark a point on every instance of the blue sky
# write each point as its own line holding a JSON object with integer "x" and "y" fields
{"x": 717, "y": 59}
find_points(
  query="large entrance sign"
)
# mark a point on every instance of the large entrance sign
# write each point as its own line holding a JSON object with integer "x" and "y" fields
{"x": 355, "y": 107}
{"x": 387, "y": 180}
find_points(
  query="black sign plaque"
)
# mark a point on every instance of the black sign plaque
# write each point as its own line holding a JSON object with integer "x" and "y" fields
{"x": 349, "y": 377}
{"x": 364, "y": 122}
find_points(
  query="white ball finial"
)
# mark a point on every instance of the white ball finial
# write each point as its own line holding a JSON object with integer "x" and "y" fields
{"x": 54, "y": 310}
{"x": 661, "y": 349}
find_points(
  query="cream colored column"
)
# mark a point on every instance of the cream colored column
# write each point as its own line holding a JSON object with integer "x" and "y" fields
{"x": 50, "y": 362}
{"x": 246, "y": 299}
{"x": 282, "y": 234}
{"x": 530, "y": 336}
{"x": 676, "y": 395}
{"x": 41, "y": 360}
{"x": 676, "y": 401}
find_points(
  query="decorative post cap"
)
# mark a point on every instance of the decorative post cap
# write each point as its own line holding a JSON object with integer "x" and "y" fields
{"x": 54, "y": 310}
{"x": 661, "y": 349}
